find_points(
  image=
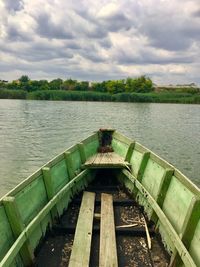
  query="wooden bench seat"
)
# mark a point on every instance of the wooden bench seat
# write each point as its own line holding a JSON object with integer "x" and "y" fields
{"x": 106, "y": 160}
{"x": 80, "y": 255}
{"x": 108, "y": 249}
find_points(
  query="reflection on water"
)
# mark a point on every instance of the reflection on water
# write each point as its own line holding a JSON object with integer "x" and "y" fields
{"x": 32, "y": 132}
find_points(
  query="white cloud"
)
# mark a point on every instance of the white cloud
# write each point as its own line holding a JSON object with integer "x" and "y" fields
{"x": 108, "y": 10}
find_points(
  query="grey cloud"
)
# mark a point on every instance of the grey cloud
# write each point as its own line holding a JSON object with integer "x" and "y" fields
{"x": 94, "y": 32}
{"x": 47, "y": 28}
{"x": 116, "y": 22}
{"x": 91, "y": 52}
{"x": 37, "y": 52}
{"x": 145, "y": 57}
{"x": 170, "y": 41}
{"x": 15, "y": 5}
{"x": 174, "y": 38}
{"x": 84, "y": 14}
{"x": 45, "y": 55}
{"x": 168, "y": 28}
{"x": 93, "y": 56}
{"x": 196, "y": 13}
{"x": 88, "y": 26}
{"x": 4, "y": 67}
{"x": 105, "y": 43}
{"x": 192, "y": 30}
{"x": 73, "y": 45}
{"x": 113, "y": 23}
{"x": 165, "y": 34}
{"x": 14, "y": 34}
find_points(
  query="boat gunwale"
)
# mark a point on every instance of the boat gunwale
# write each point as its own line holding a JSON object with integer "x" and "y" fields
{"x": 90, "y": 138}
{"x": 20, "y": 240}
{"x": 165, "y": 164}
{"x": 140, "y": 148}
{"x": 183, "y": 251}
{"x": 122, "y": 138}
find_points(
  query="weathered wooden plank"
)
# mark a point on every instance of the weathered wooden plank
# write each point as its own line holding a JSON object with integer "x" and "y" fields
{"x": 80, "y": 255}
{"x": 105, "y": 160}
{"x": 91, "y": 160}
{"x": 99, "y": 158}
{"x": 108, "y": 249}
{"x": 110, "y": 157}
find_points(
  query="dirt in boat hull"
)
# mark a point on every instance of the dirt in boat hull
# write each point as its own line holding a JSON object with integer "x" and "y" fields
{"x": 132, "y": 247}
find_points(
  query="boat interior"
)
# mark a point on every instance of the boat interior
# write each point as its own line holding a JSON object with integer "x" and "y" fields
{"x": 114, "y": 234}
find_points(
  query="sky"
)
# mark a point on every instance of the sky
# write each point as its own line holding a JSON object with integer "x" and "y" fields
{"x": 100, "y": 40}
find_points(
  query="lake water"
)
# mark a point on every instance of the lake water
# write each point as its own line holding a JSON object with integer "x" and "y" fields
{"x": 32, "y": 132}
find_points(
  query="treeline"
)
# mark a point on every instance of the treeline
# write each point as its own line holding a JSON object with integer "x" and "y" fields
{"x": 127, "y": 90}
{"x": 140, "y": 84}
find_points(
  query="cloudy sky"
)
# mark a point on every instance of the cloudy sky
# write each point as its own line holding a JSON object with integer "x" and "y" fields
{"x": 100, "y": 40}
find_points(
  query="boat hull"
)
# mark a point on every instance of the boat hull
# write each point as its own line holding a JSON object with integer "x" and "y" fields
{"x": 169, "y": 199}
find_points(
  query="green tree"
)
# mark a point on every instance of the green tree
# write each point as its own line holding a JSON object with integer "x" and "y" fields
{"x": 114, "y": 87}
{"x": 82, "y": 86}
{"x": 43, "y": 85}
{"x": 38, "y": 85}
{"x": 99, "y": 87}
{"x": 56, "y": 84}
{"x": 141, "y": 84}
{"x": 13, "y": 85}
{"x": 69, "y": 84}
{"x": 147, "y": 86}
{"x": 24, "y": 79}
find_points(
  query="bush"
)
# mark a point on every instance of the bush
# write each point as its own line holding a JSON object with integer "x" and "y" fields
{"x": 69, "y": 95}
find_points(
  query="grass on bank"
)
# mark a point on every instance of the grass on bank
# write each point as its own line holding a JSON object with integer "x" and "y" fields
{"x": 12, "y": 94}
{"x": 152, "y": 97}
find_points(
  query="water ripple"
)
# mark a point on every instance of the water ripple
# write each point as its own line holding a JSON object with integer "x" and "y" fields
{"x": 32, "y": 132}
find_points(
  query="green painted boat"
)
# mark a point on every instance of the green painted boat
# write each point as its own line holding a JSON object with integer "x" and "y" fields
{"x": 134, "y": 201}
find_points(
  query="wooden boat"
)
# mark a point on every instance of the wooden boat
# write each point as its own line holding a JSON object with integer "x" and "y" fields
{"x": 133, "y": 200}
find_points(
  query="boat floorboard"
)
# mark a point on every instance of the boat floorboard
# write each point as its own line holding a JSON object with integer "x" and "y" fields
{"x": 132, "y": 248}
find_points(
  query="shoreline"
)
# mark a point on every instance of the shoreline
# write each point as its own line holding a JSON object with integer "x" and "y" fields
{"x": 63, "y": 95}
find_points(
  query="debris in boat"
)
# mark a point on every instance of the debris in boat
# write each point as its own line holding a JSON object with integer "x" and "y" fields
{"x": 147, "y": 233}
{"x": 126, "y": 226}
{"x": 66, "y": 251}
{"x": 131, "y": 221}
{"x": 159, "y": 256}
{"x": 97, "y": 216}
{"x": 126, "y": 215}
{"x": 133, "y": 251}
{"x": 122, "y": 194}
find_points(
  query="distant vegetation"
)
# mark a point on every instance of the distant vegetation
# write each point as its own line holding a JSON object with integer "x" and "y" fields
{"x": 138, "y": 89}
